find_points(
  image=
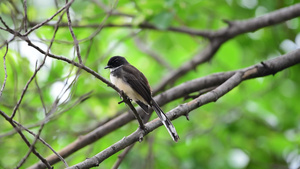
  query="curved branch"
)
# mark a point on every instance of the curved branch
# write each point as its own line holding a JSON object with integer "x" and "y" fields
{"x": 123, "y": 119}
{"x": 219, "y": 37}
{"x": 38, "y": 25}
{"x": 234, "y": 28}
{"x": 34, "y": 151}
{"x": 79, "y": 65}
{"x": 266, "y": 68}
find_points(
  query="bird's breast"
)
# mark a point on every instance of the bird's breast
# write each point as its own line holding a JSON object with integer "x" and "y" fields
{"x": 122, "y": 85}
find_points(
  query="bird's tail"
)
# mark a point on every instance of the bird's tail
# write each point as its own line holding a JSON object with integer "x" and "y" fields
{"x": 165, "y": 120}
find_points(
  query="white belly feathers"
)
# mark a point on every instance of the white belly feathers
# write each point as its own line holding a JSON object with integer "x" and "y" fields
{"x": 127, "y": 89}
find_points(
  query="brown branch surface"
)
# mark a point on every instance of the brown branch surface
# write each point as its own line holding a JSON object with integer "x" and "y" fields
{"x": 34, "y": 151}
{"x": 217, "y": 38}
{"x": 224, "y": 81}
{"x": 269, "y": 67}
{"x": 258, "y": 70}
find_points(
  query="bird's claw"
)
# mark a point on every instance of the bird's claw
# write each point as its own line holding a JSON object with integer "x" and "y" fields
{"x": 122, "y": 101}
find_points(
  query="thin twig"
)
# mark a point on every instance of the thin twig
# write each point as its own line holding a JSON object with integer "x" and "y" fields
{"x": 44, "y": 161}
{"x": 49, "y": 19}
{"x": 41, "y": 95}
{"x": 91, "y": 72}
{"x": 25, "y": 19}
{"x": 3, "y": 44}
{"x": 55, "y": 104}
{"x": 43, "y": 141}
{"x": 26, "y": 87}
{"x": 72, "y": 62}
{"x": 5, "y": 25}
{"x": 4, "y": 66}
{"x": 55, "y": 116}
{"x": 73, "y": 35}
{"x": 101, "y": 25}
{"x": 36, "y": 139}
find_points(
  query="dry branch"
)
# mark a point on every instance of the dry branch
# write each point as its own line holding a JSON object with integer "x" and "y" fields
{"x": 34, "y": 151}
{"x": 227, "y": 80}
{"x": 219, "y": 37}
{"x": 269, "y": 67}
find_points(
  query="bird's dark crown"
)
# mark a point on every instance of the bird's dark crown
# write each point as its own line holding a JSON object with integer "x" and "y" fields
{"x": 116, "y": 61}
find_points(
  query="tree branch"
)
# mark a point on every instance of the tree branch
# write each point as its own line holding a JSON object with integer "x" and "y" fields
{"x": 5, "y": 71}
{"x": 38, "y": 25}
{"x": 43, "y": 160}
{"x": 122, "y": 156}
{"x": 219, "y": 37}
{"x": 268, "y": 67}
{"x": 258, "y": 70}
{"x": 76, "y": 43}
{"x": 235, "y": 27}
{"x": 42, "y": 140}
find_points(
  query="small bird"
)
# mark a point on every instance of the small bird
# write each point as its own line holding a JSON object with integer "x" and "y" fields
{"x": 136, "y": 86}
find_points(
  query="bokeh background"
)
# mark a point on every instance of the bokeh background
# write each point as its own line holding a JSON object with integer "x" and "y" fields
{"x": 254, "y": 126}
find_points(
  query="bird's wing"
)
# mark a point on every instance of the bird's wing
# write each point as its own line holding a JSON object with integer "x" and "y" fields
{"x": 138, "y": 82}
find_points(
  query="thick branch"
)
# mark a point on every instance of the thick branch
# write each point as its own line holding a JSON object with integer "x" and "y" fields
{"x": 221, "y": 36}
{"x": 259, "y": 70}
{"x": 267, "y": 68}
{"x": 217, "y": 38}
{"x": 235, "y": 27}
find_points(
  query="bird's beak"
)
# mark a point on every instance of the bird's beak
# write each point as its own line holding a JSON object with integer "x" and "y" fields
{"x": 107, "y": 67}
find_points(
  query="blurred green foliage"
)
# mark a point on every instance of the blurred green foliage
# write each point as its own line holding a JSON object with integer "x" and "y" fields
{"x": 254, "y": 126}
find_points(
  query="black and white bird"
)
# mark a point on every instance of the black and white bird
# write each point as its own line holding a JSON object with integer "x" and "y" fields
{"x": 136, "y": 86}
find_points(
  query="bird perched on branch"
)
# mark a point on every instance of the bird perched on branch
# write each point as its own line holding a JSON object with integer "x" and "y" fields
{"x": 136, "y": 86}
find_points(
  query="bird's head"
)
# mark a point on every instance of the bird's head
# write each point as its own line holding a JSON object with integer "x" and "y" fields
{"x": 115, "y": 62}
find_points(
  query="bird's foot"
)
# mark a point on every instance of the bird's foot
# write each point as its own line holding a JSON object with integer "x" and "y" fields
{"x": 122, "y": 101}
{"x": 124, "y": 97}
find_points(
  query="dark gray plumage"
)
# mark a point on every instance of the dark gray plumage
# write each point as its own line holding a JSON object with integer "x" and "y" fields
{"x": 133, "y": 82}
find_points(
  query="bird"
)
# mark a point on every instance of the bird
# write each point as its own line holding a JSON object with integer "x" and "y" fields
{"x": 136, "y": 86}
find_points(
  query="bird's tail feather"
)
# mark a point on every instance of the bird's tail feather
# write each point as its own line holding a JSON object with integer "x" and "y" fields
{"x": 166, "y": 121}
